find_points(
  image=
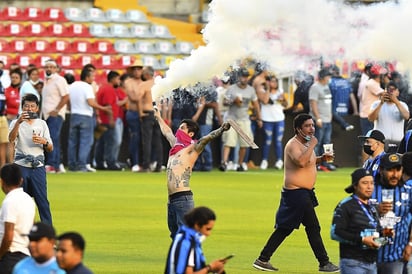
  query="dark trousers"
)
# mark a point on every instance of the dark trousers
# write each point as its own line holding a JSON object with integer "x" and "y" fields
{"x": 312, "y": 228}
{"x": 9, "y": 260}
{"x": 151, "y": 139}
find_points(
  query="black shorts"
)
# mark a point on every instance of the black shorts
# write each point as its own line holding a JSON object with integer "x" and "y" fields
{"x": 294, "y": 204}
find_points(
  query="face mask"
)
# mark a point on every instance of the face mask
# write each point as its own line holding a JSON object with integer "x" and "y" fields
{"x": 367, "y": 149}
{"x": 48, "y": 73}
{"x": 34, "y": 82}
{"x": 182, "y": 140}
{"x": 306, "y": 137}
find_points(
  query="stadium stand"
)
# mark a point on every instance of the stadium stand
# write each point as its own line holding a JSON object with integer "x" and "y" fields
{"x": 75, "y": 14}
{"x": 136, "y": 16}
{"x": 145, "y": 47}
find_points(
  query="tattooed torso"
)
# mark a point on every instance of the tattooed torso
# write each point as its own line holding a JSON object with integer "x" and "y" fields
{"x": 178, "y": 173}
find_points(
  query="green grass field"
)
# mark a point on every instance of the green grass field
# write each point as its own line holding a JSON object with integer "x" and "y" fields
{"x": 123, "y": 218}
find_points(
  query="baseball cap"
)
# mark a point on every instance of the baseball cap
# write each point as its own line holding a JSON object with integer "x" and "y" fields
{"x": 390, "y": 160}
{"x": 40, "y": 230}
{"x": 244, "y": 72}
{"x": 356, "y": 176}
{"x": 377, "y": 69}
{"x": 324, "y": 72}
{"x": 374, "y": 134}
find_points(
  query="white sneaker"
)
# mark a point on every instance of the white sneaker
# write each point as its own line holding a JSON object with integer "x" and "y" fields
{"x": 230, "y": 166}
{"x": 279, "y": 164}
{"x": 244, "y": 165}
{"x": 90, "y": 169}
{"x": 264, "y": 164}
{"x": 153, "y": 165}
{"x": 135, "y": 168}
{"x": 61, "y": 169}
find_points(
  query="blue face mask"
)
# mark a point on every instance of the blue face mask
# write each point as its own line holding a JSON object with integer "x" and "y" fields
{"x": 306, "y": 137}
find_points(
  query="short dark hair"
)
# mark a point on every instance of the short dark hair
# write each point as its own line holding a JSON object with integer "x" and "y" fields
{"x": 192, "y": 126}
{"x": 89, "y": 66}
{"x": 18, "y": 72}
{"x": 111, "y": 75}
{"x": 69, "y": 78}
{"x": 86, "y": 72}
{"x": 11, "y": 174}
{"x": 31, "y": 70}
{"x": 299, "y": 120}
{"x": 200, "y": 216}
{"x": 29, "y": 98}
{"x": 392, "y": 84}
{"x": 407, "y": 163}
{"x": 77, "y": 240}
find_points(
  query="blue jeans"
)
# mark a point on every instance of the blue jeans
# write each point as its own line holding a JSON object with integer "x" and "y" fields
{"x": 338, "y": 118}
{"x": 80, "y": 140}
{"x": 176, "y": 209}
{"x": 391, "y": 268}
{"x": 133, "y": 123}
{"x": 351, "y": 266}
{"x": 105, "y": 147}
{"x": 205, "y": 160}
{"x": 118, "y": 134}
{"x": 323, "y": 135}
{"x": 35, "y": 184}
{"x": 273, "y": 131}
{"x": 55, "y": 126}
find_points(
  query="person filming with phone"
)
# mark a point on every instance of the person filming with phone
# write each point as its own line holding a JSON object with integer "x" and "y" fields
{"x": 298, "y": 199}
{"x": 31, "y": 138}
{"x": 389, "y": 115}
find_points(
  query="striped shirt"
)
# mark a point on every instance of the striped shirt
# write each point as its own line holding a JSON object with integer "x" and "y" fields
{"x": 185, "y": 243}
{"x": 402, "y": 207}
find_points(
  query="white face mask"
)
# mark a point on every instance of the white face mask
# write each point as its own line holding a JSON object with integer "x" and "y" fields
{"x": 34, "y": 83}
{"x": 202, "y": 238}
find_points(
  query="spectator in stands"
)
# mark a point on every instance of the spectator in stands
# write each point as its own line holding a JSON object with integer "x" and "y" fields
{"x": 29, "y": 86}
{"x": 132, "y": 114}
{"x": 320, "y": 99}
{"x": 82, "y": 103}
{"x": 16, "y": 218}
{"x": 106, "y": 147}
{"x": 389, "y": 115}
{"x": 342, "y": 99}
{"x": 272, "y": 103}
{"x": 239, "y": 96}
{"x": 151, "y": 135}
{"x": 369, "y": 94}
{"x": 31, "y": 137}
{"x": 55, "y": 97}
{"x": 42, "y": 249}
{"x": 70, "y": 251}
{"x": 373, "y": 143}
{"x": 12, "y": 94}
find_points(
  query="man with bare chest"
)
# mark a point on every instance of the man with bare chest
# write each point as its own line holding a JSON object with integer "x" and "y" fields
{"x": 182, "y": 157}
{"x": 298, "y": 199}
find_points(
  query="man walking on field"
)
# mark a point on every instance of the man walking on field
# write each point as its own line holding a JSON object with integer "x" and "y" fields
{"x": 298, "y": 199}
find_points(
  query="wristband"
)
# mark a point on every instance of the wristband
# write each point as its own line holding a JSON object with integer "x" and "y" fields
{"x": 410, "y": 243}
{"x": 46, "y": 144}
{"x": 319, "y": 120}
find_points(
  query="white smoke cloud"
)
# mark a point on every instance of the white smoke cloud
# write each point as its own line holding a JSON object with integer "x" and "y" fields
{"x": 238, "y": 29}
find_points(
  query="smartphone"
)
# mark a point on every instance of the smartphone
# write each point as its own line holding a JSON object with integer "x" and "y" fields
{"x": 228, "y": 257}
{"x": 33, "y": 115}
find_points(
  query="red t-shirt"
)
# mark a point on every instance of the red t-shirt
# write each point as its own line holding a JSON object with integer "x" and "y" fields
{"x": 12, "y": 100}
{"x": 120, "y": 96}
{"x": 107, "y": 95}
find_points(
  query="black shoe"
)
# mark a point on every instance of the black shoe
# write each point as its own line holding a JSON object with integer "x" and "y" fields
{"x": 264, "y": 266}
{"x": 329, "y": 267}
{"x": 222, "y": 167}
{"x": 99, "y": 167}
{"x": 115, "y": 167}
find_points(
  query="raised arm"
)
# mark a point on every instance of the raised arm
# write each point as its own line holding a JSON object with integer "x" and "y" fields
{"x": 201, "y": 144}
{"x": 166, "y": 130}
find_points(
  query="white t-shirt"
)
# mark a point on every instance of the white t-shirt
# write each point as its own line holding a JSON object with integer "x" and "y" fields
{"x": 18, "y": 208}
{"x": 390, "y": 121}
{"x": 273, "y": 112}
{"x": 79, "y": 93}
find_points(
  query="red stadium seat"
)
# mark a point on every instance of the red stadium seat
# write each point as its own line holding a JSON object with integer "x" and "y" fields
{"x": 2, "y": 30}
{"x": 61, "y": 46}
{"x": 66, "y": 61}
{"x": 40, "y": 60}
{"x": 54, "y": 14}
{"x": 12, "y": 14}
{"x": 41, "y": 46}
{"x": 36, "y": 29}
{"x": 15, "y": 29}
{"x": 24, "y": 60}
{"x": 33, "y": 14}
{"x": 84, "y": 60}
{"x": 4, "y": 46}
{"x": 82, "y": 46}
{"x": 7, "y": 59}
{"x": 57, "y": 30}
{"x": 78, "y": 30}
{"x": 103, "y": 46}
{"x": 101, "y": 76}
{"x": 20, "y": 45}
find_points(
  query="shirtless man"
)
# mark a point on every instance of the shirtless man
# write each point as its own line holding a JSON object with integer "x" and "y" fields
{"x": 298, "y": 200}
{"x": 182, "y": 157}
{"x": 132, "y": 114}
{"x": 150, "y": 131}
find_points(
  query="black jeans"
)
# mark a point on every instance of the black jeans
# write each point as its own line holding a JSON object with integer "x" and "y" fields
{"x": 151, "y": 141}
{"x": 9, "y": 260}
